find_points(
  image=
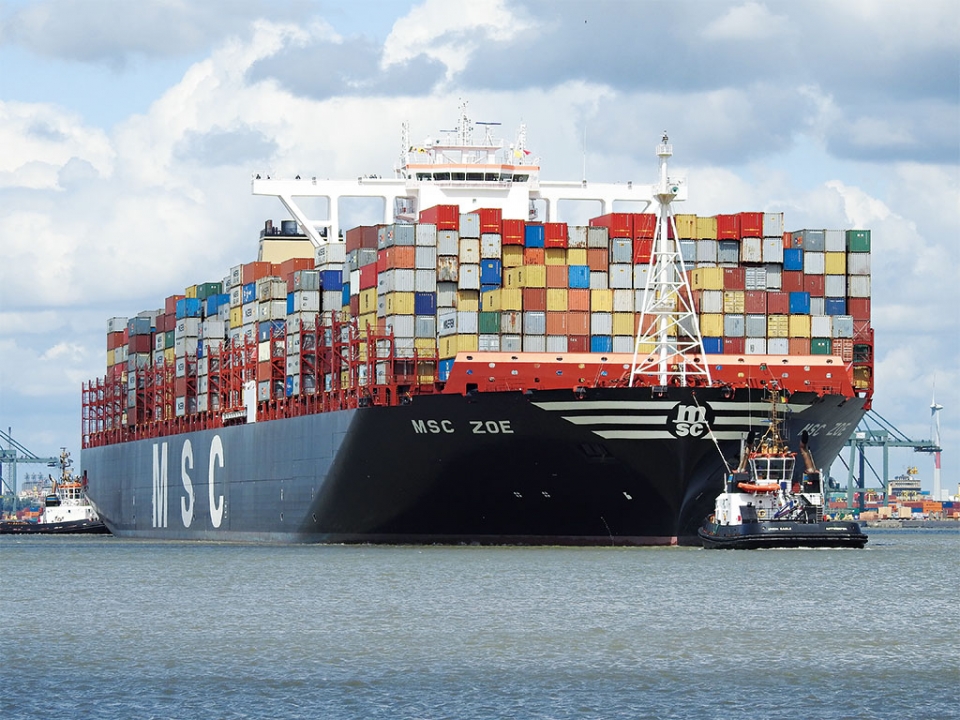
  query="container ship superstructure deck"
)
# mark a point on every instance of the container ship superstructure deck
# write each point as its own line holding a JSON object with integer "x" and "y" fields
{"x": 463, "y": 373}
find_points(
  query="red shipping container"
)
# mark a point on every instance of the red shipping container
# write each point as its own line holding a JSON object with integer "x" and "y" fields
{"x": 558, "y": 276}
{"x": 619, "y": 225}
{"x": 578, "y": 323}
{"x": 289, "y": 267}
{"x": 844, "y": 348}
{"x": 490, "y": 219}
{"x": 578, "y": 299}
{"x": 799, "y": 346}
{"x": 368, "y": 276}
{"x": 791, "y": 281}
{"x": 859, "y": 308}
{"x": 264, "y": 370}
{"x": 598, "y": 259}
{"x": 253, "y": 271}
{"x": 397, "y": 256}
{"x": 578, "y": 343}
{"x": 778, "y": 303}
{"x": 180, "y": 386}
{"x": 649, "y": 323}
{"x": 115, "y": 339}
{"x": 728, "y": 227}
{"x": 755, "y": 302}
{"x": 734, "y": 278}
{"x": 556, "y": 323}
{"x": 533, "y": 256}
{"x": 363, "y": 236}
{"x": 140, "y": 344}
{"x": 445, "y": 217}
{"x": 554, "y": 236}
{"x": 354, "y": 305}
{"x": 814, "y": 284}
{"x": 512, "y": 232}
{"x": 170, "y": 303}
{"x": 751, "y": 224}
{"x": 697, "y": 296}
{"x": 733, "y": 345}
{"x": 534, "y": 298}
{"x": 644, "y": 226}
{"x": 642, "y": 251}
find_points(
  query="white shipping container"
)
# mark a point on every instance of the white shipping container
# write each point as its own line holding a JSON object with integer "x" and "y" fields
{"x": 468, "y": 322}
{"x": 331, "y": 252}
{"x": 292, "y": 366}
{"x": 306, "y": 300}
{"x": 599, "y": 280}
{"x": 774, "y": 276}
{"x": 835, "y": 286}
{"x": 711, "y": 301}
{"x": 623, "y": 300}
{"x": 818, "y": 306}
{"x": 425, "y": 281}
{"x": 821, "y": 326}
{"x": 858, "y": 286}
{"x": 597, "y": 237}
{"x": 534, "y": 343}
{"x": 425, "y": 234}
{"x": 203, "y": 402}
{"x": 624, "y": 343}
{"x": 446, "y": 294}
{"x": 469, "y": 250}
{"x": 448, "y": 242}
{"x": 756, "y": 326}
{"x": 751, "y": 250}
{"x": 404, "y": 280}
{"x": 187, "y": 327}
{"x": 446, "y": 322}
{"x": 601, "y": 323}
{"x": 488, "y": 342}
{"x": 621, "y": 251}
{"x": 469, "y": 277}
{"x": 159, "y": 341}
{"x": 728, "y": 251}
{"x": 213, "y": 328}
{"x": 706, "y": 251}
{"x": 620, "y": 276}
{"x": 250, "y": 312}
{"x": 688, "y": 252}
{"x": 556, "y": 343}
{"x": 469, "y": 225}
{"x": 180, "y": 366}
{"x": 116, "y": 324}
{"x": 302, "y": 318}
{"x": 402, "y": 326}
{"x": 778, "y": 346}
{"x": 577, "y": 236}
{"x": 755, "y": 278}
{"x": 534, "y": 322}
{"x": 426, "y": 326}
{"x": 236, "y": 275}
{"x": 331, "y": 300}
{"x": 755, "y": 346}
{"x": 355, "y": 282}
{"x": 425, "y": 258}
{"x": 490, "y": 246}
{"x": 640, "y": 274}
{"x": 773, "y": 250}
{"x": 834, "y": 241}
{"x": 511, "y": 343}
{"x": 236, "y": 296}
{"x": 773, "y": 224}
{"x": 511, "y": 322}
{"x": 814, "y": 263}
{"x": 843, "y": 326}
{"x": 272, "y": 310}
{"x": 858, "y": 263}
{"x": 448, "y": 269}
{"x": 733, "y": 326}
{"x": 293, "y": 344}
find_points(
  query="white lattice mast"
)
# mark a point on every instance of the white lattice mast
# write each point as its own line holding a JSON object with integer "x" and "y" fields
{"x": 935, "y": 420}
{"x": 669, "y": 349}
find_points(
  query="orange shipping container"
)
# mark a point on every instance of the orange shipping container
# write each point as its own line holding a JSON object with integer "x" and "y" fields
{"x": 558, "y": 276}
{"x": 579, "y": 300}
{"x": 578, "y": 323}
{"x": 799, "y": 346}
{"x": 598, "y": 259}
{"x": 556, "y": 323}
{"x": 534, "y": 299}
{"x": 533, "y": 256}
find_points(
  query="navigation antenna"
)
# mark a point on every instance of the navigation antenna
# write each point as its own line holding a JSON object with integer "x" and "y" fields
{"x": 669, "y": 347}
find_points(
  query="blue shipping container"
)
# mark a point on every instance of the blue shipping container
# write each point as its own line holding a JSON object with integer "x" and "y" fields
{"x": 601, "y": 343}
{"x": 579, "y": 276}
{"x": 425, "y": 303}
{"x": 490, "y": 272}
{"x": 713, "y": 345}
{"x": 139, "y": 326}
{"x": 289, "y": 385}
{"x": 345, "y": 295}
{"x": 249, "y": 293}
{"x": 265, "y": 328}
{"x": 214, "y": 303}
{"x": 835, "y": 306}
{"x": 331, "y": 279}
{"x": 799, "y": 303}
{"x": 793, "y": 259}
{"x": 290, "y": 303}
{"x": 533, "y": 236}
{"x": 443, "y": 369}
{"x": 188, "y": 308}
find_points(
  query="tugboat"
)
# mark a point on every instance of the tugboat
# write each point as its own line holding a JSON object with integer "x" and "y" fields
{"x": 762, "y": 506}
{"x": 66, "y": 509}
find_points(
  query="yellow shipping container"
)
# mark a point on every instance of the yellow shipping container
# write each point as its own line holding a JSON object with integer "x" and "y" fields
{"x": 425, "y": 343}
{"x": 110, "y": 362}
{"x": 556, "y": 299}
{"x": 513, "y": 277}
{"x": 646, "y": 348}
{"x": 686, "y": 226}
{"x": 236, "y": 316}
{"x": 555, "y": 256}
{"x": 707, "y": 279}
{"x": 835, "y": 263}
{"x": 366, "y": 320}
{"x": 733, "y": 302}
{"x": 190, "y": 292}
{"x": 706, "y": 228}
{"x": 799, "y": 326}
{"x": 778, "y": 326}
{"x": 468, "y": 300}
{"x": 711, "y": 324}
{"x": 368, "y": 301}
{"x": 169, "y": 357}
{"x": 490, "y": 300}
{"x": 399, "y": 303}
{"x": 601, "y": 301}
{"x": 452, "y": 344}
{"x": 576, "y": 256}
{"x": 511, "y": 299}
{"x": 624, "y": 323}
{"x": 535, "y": 276}
{"x": 512, "y": 256}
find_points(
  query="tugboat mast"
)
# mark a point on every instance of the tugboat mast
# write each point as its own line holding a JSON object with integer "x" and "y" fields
{"x": 669, "y": 347}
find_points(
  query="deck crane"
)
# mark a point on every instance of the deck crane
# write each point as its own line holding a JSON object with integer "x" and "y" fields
{"x": 876, "y": 431}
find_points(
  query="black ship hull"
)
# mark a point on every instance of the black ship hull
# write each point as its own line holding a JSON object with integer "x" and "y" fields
{"x": 624, "y": 466}
{"x": 784, "y": 534}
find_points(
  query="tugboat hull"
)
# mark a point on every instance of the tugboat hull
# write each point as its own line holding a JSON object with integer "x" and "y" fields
{"x": 788, "y": 534}
{"x": 68, "y": 527}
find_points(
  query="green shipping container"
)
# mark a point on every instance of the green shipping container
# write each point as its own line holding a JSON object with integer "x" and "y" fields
{"x": 168, "y": 339}
{"x": 820, "y": 346}
{"x": 205, "y": 290}
{"x": 858, "y": 241}
{"x": 489, "y": 322}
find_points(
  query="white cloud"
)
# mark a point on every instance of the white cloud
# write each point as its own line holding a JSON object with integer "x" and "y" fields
{"x": 750, "y": 21}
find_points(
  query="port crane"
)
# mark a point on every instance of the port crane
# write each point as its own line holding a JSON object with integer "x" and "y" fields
{"x": 13, "y": 454}
{"x": 876, "y": 431}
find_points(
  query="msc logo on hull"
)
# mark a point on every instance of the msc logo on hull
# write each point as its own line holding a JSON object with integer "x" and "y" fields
{"x": 690, "y": 420}
{"x": 188, "y": 497}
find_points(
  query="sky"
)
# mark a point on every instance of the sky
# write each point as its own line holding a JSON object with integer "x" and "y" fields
{"x": 129, "y": 133}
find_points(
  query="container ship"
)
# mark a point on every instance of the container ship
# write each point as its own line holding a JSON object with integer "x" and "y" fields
{"x": 472, "y": 369}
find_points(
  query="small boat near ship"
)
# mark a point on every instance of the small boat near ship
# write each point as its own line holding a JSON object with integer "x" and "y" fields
{"x": 66, "y": 509}
{"x": 764, "y": 506}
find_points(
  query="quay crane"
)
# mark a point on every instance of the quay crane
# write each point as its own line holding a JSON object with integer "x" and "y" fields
{"x": 13, "y": 454}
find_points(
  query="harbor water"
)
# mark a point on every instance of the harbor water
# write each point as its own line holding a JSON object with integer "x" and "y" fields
{"x": 109, "y": 628}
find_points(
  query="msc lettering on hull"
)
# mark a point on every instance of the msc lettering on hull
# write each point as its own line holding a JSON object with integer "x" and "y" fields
{"x": 188, "y": 499}
{"x": 476, "y": 427}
